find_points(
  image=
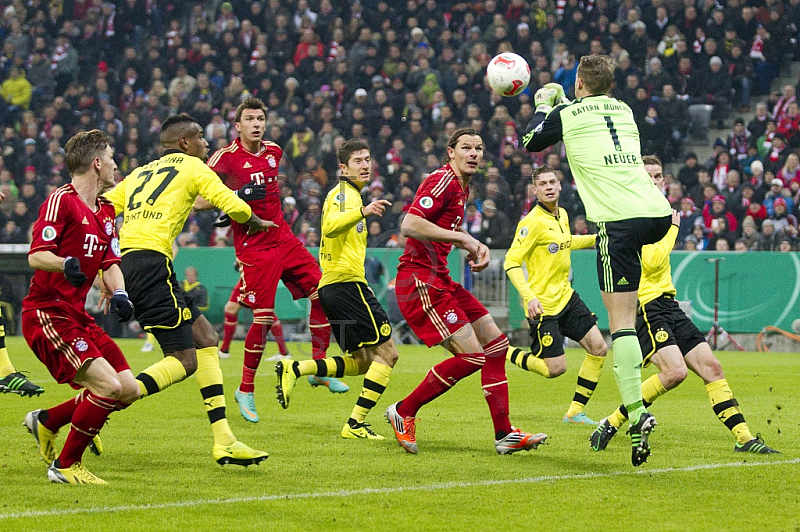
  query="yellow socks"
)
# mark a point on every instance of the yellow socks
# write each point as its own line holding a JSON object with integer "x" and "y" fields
{"x": 328, "y": 367}
{"x": 588, "y": 376}
{"x": 726, "y": 407}
{"x": 527, "y": 361}
{"x": 375, "y": 382}
{"x": 160, "y": 375}
{"x": 209, "y": 378}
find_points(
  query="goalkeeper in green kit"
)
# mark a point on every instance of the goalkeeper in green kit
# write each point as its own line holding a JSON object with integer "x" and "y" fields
{"x": 603, "y": 150}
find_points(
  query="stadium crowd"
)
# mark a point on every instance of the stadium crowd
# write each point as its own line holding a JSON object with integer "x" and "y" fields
{"x": 403, "y": 77}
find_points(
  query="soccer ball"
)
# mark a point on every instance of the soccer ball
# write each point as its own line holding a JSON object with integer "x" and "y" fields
{"x": 508, "y": 74}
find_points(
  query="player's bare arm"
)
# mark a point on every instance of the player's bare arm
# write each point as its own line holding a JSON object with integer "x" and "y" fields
{"x": 50, "y": 262}
{"x": 483, "y": 258}
{"x": 46, "y": 261}
{"x": 417, "y": 227}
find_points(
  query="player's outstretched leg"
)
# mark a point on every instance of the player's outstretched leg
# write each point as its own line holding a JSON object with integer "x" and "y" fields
{"x": 12, "y": 381}
{"x": 320, "y": 340}
{"x": 19, "y": 384}
{"x": 527, "y": 361}
{"x": 288, "y": 371}
{"x": 405, "y": 428}
{"x": 727, "y": 409}
{"x": 494, "y": 382}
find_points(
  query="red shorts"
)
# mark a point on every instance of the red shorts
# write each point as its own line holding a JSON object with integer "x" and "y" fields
{"x": 236, "y": 293}
{"x": 64, "y": 344}
{"x": 262, "y": 269}
{"x": 435, "y": 308}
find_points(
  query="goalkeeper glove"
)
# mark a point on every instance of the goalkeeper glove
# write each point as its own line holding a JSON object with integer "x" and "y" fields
{"x": 548, "y": 97}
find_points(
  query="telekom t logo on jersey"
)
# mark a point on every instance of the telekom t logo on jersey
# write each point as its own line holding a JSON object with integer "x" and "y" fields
{"x": 90, "y": 244}
{"x": 259, "y": 178}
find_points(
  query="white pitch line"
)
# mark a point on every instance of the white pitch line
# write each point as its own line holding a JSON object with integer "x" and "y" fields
{"x": 382, "y": 491}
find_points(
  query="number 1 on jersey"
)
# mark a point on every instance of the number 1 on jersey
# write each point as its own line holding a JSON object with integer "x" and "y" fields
{"x": 613, "y": 131}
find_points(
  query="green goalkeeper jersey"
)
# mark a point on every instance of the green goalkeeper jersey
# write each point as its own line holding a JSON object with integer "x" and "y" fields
{"x": 604, "y": 155}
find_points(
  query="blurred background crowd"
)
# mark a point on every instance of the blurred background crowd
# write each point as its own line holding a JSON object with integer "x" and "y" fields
{"x": 403, "y": 76}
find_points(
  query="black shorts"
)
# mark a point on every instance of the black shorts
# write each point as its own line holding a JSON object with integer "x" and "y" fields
{"x": 160, "y": 304}
{"x": 356, "y": 317}
{"x": 619, "y": 250}
{"x": 661, "y": 323}
{"x": 547, "y": 332}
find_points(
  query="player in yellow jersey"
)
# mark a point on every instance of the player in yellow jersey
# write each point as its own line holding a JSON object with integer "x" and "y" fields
{"x": 156, "y": 200}
{"x": 360, "y": 325}
{"x": 543, "y": 242}
{"x": 672, "y": 342}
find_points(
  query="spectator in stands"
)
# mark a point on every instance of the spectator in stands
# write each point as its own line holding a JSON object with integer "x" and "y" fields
{"x": 770, "y": 240}
{"x": 700, "y": 235}
{"x": 750, "y": 235}
{"x": 674, "y": 115}
{"x": 717, "y": 210}
{"x": 738, "y": 140}
{"x": 497, "y": 229}
{"x": 786, "y": 245}
{"x": 789, "y": 124}
{"x": 758, "y": 125}
{"x": 732, "y": 187}
{"x": 687, "y": 175}
{"x": 775, "y": 155}
{"x": 715, "y": 90}
{"x": 689, "y": 214}
{"x": 782, "y": 104}
{"x": 790, "y": 170}
{"x": 785, "y": 223}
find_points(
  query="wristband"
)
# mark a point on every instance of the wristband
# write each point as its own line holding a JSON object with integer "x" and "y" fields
{"x": 120, "y": 292}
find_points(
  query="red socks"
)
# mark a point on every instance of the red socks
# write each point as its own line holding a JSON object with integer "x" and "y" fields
{"x": 495, "y": 383}
{"x": 277, "y": 333}
{"x": 254, "y": 347}
{"x": 88, "y": 419}
{"x": 229, "y": 328}
{"x": 60, "y": 415}
{"x": 320, "y": 328}
{"x": 439, "y": 379}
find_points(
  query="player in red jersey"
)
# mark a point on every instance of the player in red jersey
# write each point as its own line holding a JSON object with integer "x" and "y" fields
{"x": 268, "y": 257}
{"x": 74, "y": 238}
{"x": 232, "y": 308}
{"x": 441, "y": 311}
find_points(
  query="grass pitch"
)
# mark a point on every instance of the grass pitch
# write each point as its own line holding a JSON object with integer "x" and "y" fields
{"x": 161, "y": 475}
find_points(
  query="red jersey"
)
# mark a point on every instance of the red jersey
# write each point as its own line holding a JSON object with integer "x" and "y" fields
{"x": 441, "y": 200}
{"x": 237, "y": 167}
{"x": 69, "y": 228}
